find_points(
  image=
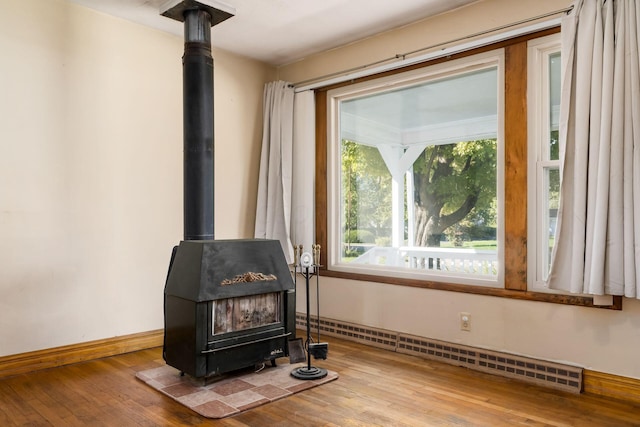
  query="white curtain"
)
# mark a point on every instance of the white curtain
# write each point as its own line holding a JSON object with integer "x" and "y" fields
{"x": 285, "y": 205}
{"x": 304, "y": 155}
{"x": 597, "y": 247}
{"x": 273, "y": 210}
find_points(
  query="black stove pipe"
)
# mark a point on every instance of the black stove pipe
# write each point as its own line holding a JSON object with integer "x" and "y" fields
{"x": 197, "y": 72}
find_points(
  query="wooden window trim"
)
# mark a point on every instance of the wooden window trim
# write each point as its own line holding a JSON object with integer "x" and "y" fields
{"x": 515, "y": 198}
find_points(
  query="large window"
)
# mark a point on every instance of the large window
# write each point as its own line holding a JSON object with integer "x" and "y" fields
{"x": 416, "y": 165}
{"x": 445, "y": 175}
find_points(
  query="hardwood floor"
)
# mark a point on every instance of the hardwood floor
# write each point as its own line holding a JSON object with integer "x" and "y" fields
{"x": 375, "y": 388}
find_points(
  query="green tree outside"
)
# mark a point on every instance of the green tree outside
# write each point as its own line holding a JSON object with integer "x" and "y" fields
{"x": 454, "y": 193}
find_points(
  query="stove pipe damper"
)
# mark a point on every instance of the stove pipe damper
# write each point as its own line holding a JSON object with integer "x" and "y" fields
{"x": 228, "y": 304}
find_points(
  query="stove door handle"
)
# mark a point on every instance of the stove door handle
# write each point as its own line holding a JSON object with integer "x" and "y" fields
{"x": 214, "y": 350}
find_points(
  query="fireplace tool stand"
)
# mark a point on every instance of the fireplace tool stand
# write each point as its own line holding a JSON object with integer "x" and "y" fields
{"x": 308, "y": 266}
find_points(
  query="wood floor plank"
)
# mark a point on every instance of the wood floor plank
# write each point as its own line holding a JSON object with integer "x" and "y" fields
{"x": 376, "y": 388}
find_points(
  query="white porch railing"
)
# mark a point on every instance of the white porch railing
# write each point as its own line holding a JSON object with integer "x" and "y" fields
{"x": 455, "y": 260}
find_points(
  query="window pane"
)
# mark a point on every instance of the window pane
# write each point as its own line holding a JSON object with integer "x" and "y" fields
{"x": 554, "y": 107}
{"x": 455, "y": 195}
{"x": 551, "y": 187}
{"x": 552, "y": 192}
{"x": 419, "y": 176}
{"x": 366, "y": 200}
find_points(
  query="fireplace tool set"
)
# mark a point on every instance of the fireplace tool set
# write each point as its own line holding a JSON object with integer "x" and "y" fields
{"x": 309, "y": 266}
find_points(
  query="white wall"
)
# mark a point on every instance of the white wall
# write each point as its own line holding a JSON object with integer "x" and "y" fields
{"x": 91, "y": 189}
{"x": 597, "y": 339}
{"x": 602, "y": 340}
{"x": 91, "y": 170}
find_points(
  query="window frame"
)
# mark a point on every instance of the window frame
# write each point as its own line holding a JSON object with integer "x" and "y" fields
{"x": 540, "y": 51}
{"x": 459, "y": 67}
{"x": 515, "y": 183}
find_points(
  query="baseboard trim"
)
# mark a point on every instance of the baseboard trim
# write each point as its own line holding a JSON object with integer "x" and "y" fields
{"x": 612, "y": 386}
{"x": 59, "y": 356}
{"x": 593, "y": 382}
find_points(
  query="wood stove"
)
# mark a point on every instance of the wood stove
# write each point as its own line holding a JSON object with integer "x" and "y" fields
{"x": 228, "y": 304}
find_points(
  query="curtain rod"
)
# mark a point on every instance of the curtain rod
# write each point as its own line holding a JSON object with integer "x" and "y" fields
{"x": 403, "y": 56}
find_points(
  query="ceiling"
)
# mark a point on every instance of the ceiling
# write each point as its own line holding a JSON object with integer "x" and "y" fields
{"x": 282, "y": 31}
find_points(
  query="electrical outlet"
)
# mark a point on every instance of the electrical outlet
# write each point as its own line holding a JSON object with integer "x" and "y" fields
{"x": 465, "y": 321}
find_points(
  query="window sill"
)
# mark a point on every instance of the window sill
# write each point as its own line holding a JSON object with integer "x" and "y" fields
{"x": 581, "y": 301}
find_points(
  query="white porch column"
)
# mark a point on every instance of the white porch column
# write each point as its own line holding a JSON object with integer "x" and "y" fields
{"x": 411, "y": 217}
{"x": 399, "y": 160}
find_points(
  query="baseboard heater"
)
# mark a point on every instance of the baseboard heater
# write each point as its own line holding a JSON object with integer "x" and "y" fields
{"x": 541, "y": 372}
